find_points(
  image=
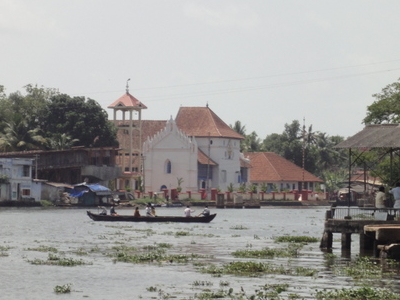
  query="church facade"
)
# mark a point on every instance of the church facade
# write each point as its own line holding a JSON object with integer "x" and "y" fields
{"x": 196, "y": 150}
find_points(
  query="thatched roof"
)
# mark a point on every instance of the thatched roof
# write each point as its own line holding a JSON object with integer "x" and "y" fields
{"x": 374, "y": 136}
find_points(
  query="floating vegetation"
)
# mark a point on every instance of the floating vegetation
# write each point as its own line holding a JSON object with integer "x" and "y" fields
{"x": 54, "y": 260}
{"x": 295, "y": 239}
{"x": 238, "y": 227}
{"x": 123, "y": 248}
{"x": 63, "y": 289}
{"x": 205, "y": 295}
{"x": 251, "y": 269}
{"x": 81, "y": 252}
{"x": 291, "y": 251}
{"x": 3, "y": 250}
{"x": 154, "y": 256}
{"x": 363, "y": 268}
{"x": 364, "y": 293}
{"x": 267, "y": 292}
{"x": 202, "y": 283}
{"x": 182, "y": 233}
{"x": 43, "y": 249}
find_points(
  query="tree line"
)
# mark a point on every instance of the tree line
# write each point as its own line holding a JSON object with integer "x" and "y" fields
{"x": 43, "y": 119}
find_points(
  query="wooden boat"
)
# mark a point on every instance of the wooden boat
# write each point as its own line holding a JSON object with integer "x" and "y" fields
{"x": 125, "y": 218}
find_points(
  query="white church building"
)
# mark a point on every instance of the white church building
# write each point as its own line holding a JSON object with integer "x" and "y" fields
{"x": 196, "y": 150}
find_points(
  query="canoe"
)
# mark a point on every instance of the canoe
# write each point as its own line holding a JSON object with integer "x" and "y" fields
{"x": 125, "y": 218}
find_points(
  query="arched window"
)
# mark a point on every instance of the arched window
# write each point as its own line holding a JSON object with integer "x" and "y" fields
{"x": 168, "y": 166}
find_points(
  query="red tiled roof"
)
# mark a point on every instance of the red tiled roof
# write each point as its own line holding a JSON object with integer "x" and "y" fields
{"x": 127, "y": 101}
{"x": 203, "y": 159}
{"x": 271, "y": 167}
{"x": 203, "y": 122}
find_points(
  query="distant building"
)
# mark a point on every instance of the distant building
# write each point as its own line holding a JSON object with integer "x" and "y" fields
{"x": 16, "y": 181}
{"x": 72, "y": 166}
{"x": 274, "y": 170}
{"x": 197, "y": 149}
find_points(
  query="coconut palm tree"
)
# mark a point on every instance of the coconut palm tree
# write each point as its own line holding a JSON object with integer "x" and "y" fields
{"x": 17, "y": 136}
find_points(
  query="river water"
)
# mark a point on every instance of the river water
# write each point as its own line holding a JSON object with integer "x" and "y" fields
{"x": 24, "y": 230}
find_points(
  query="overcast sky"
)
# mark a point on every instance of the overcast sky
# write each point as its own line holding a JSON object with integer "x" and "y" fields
{"x": 265, "y": 63}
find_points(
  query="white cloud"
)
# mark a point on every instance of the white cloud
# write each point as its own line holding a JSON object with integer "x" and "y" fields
{"x": 229, "y": 15}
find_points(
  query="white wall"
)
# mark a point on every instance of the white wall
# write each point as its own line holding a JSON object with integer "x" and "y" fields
{"x": 170, "y": 144}
{"x": 226, "y": 153}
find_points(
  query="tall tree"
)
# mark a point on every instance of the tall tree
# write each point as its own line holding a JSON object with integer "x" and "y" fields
{"x": 386, "y": 107}
{"x": 17, "y": 135}
{"x": 80, "y": 119}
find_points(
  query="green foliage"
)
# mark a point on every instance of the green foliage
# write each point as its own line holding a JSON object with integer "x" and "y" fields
{"x": 386, "y": 107}
{"x": 46, "y": 203}
{"x": 63, "y": 289}
{"x": 54, "y": 260}
{"x": 180, "y": 181}
{"x": 230, "y": 187}
{"x": 242, "y": 188}
{"x": 264, "y": 187}
{"x": 43, "y": 119}
{"x": 291, "y": 251}
{"x": 80, "y": 119}
{"x": 364, "y": 293}
{"x": 334, "y": 180}
{"x": 295, "y": 239}
{"x": 251, "y": 268}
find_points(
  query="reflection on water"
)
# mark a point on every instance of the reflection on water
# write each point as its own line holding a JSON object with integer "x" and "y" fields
{"x": 72, "y": 233}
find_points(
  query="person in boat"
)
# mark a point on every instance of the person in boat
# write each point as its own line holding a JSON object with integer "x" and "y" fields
{"x": 380, "y": 198}
{"x": 103, "y": 211}
{"x": 149, "y": 210}
{"x": 136, "y": 214}
{"x": 205, "y": 212}
{"x": 153, "y": 211}
{"x": 112, "y": 210}
{"x": 188, "y": 211}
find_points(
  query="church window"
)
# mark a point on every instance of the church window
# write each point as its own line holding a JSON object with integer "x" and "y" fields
{"x": 168, "y": 167}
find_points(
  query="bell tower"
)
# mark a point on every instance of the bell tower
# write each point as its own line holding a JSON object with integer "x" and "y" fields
{"x": 127, "y": 117}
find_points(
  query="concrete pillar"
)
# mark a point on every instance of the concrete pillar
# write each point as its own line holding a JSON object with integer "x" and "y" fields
{"x": 366, "y": 242}
{"x": 326, "y": 241}
{"x": 346, "y": 240}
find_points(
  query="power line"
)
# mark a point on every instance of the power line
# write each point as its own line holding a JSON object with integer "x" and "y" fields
{"x": 258, "y": 77}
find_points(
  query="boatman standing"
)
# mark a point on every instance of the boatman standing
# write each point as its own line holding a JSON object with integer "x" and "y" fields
{"x": 396, "y": 195}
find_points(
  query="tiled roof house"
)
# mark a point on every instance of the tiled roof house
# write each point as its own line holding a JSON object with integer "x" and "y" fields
{"x": 273, "y": 169}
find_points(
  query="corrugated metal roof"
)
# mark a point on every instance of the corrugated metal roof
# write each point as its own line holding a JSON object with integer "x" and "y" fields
{"x": 374, "y": 136}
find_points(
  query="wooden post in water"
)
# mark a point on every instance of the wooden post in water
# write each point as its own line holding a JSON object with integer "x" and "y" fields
{"x": 327, "y": 237}
{"x": 346, "y": 240}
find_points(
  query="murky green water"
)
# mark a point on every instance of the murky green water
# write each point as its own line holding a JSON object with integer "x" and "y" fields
{"x": 75, "y": 236}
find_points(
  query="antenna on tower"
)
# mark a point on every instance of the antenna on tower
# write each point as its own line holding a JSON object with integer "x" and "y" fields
{"x": 127, "y": 86}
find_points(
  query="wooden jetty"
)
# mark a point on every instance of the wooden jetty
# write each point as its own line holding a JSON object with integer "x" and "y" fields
{"x": 362, "y": 221}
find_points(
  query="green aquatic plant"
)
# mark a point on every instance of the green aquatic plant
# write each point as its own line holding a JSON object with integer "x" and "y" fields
{"x": 182, "y": 233}
{"x": 54, "y": 260}
{"x": 291, "y": 251}
{"x": 202, "y": 283}
{"x": 364, "y": 293}
{"x": 43, "y": 249}
{"x": 295, "y": 239}
{"x": 363, "y": 268}
{"x": 157, "y": 256}
{"x": 238, "y": 227}
{"x": 63, "y": 289}
{"x": 251, "y": 268}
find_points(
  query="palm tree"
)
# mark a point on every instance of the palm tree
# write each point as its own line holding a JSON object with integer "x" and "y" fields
{"x": 61, "y": 141}
{"x": 17, "y": 136}
{"x": 239, "y": 128}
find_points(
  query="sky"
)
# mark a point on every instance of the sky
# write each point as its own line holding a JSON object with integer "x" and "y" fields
{"x": 261, "y": 62}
